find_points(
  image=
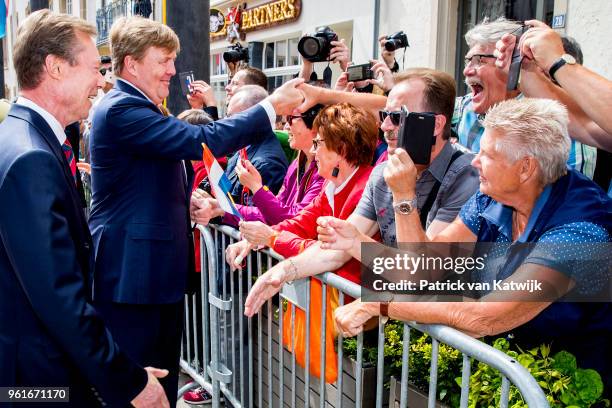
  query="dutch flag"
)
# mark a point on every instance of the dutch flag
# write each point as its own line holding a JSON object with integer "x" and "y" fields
{"x": 219, "y": 182}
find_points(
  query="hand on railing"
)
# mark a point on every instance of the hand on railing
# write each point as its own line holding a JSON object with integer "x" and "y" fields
{"x": 236, "y": 253}
{"x": 266, "y": 286}
{"x": 351, "y": 318}
{"x": 153, "y": 395}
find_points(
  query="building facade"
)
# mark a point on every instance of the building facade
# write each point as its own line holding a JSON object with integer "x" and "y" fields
{"x": 435, "y": 30}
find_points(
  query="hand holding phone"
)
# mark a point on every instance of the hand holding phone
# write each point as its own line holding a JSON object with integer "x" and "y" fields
{"x": 360, "y": 72}
{"x": 514, "y": 73}
{"x": 186, "y": 78}
{"x": 416, "y": 135}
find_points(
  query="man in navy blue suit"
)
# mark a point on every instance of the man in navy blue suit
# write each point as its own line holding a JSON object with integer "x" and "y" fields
{"x": 140, "y": 205}
{"x": 50, "y": 335}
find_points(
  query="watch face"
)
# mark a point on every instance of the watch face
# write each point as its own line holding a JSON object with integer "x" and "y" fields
{"x": 569, "y": 59}
{"x": 404, "y": 208}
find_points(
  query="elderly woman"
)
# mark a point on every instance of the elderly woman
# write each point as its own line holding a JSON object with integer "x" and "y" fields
{"x": 300, "y": 186}
{"x": 343, "y": 149}
{"x": 527, "y": 195}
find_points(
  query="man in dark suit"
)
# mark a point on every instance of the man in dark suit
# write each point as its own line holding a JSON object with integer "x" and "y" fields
{"x": 50, "y": 335}
{"x": 140, "y": 208}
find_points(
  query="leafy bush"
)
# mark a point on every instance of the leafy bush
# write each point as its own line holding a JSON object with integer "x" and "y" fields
{"x": 563, "y": 383}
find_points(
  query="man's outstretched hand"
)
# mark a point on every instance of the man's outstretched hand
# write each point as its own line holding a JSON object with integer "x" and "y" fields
{"x": 153, "y": 395}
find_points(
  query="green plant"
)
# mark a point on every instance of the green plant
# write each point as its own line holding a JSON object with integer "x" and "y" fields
{"x": 564, "y": 384}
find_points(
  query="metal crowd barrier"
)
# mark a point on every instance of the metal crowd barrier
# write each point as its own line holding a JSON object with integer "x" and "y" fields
{"x": 251, "y": 367}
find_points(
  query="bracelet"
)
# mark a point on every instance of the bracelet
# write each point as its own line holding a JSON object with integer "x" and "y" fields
{"x": 293, "y": 271}
{"x": 272, "y": 239}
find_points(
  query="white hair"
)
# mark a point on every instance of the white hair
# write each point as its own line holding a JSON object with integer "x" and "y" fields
{"x": 248, "y": 95}
{"x": 533, "y": 127}
{"x": 489, "y": 32}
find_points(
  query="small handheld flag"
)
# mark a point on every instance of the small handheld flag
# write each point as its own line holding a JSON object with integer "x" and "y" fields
{"x": 219, "y": 182}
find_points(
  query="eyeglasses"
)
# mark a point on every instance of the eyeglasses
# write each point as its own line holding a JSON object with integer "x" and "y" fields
{"x": 394, "y": 116}
{"x": 476, "y": 60}
{"x": 316, "y": 142}
{"x": 291, "y": 117}
{"x": 104, "y": 70}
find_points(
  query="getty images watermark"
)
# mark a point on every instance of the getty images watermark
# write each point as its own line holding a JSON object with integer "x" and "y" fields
{"x": 487, "y": 272}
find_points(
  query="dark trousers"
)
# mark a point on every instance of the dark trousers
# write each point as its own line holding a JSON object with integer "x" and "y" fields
{"x": 150, "y": 334}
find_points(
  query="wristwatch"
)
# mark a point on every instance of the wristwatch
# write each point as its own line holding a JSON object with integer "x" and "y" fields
{"x": 564, "y": 59}
{"x": 405, "y": 207}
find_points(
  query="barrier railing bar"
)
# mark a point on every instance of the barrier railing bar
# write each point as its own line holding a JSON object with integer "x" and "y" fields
{"x": 505, "y": 391}
{"x": 433, "y": 374}
{"x": 405, "y": 366}
{"x": 465, "y": 381}
{"x": 281, "y": 355}
{"x": 323, "y": 342}
{"x": 293, "y": 368}
{"x": 380, "y": 362}
{"x": 358, "y": 376}
{"x": 340, "y": 355}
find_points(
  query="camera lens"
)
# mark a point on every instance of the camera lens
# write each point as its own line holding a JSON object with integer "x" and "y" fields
{"x": 231, "y": 56}
{"x": 309, "y": 47}
{"x": 391, "y": 45}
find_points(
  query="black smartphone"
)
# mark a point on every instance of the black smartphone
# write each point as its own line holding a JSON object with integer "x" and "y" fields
{"x": 416, "y": 135}
{"x": 186, "y": 78}
{"x": 514, "y": 73}
{"x": 359, "y": 72}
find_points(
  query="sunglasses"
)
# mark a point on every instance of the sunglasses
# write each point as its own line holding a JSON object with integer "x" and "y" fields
{"x": 316, "y": 143}
{"x": 394, "y": 116}
{"x": 103, "y": 71}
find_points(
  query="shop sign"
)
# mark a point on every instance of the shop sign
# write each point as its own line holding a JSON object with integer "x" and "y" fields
{"x": 217, "y": 21}
{"x": 240, "y": 20}
{"x": 270, "y": 15}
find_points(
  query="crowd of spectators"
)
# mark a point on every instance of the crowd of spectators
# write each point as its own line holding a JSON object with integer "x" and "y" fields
{"x": 507, "y": 167}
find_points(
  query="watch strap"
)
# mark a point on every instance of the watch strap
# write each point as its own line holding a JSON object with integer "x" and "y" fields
{"x": 556, "y": 65}
{"x": 384, "y": 309}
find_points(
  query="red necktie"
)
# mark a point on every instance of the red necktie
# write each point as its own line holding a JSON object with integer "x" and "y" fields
{"x": 67, "y": 148}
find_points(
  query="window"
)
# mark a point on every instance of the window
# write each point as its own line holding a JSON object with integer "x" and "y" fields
{"x": 294, "y": 55}
{"x": 269, "y": 55}
{"x": 68, "y": 6}
{"x": 281, "y": 53}
{"x": 84, "y": 9}
{"x": 217, "y": 65}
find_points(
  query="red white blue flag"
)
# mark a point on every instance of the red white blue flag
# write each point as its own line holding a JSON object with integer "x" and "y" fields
{"x": 219, "y": 182}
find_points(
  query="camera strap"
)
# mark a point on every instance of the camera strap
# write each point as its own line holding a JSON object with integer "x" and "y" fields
{"x": 433, "y": 194}
{"x": 327, "y": 75}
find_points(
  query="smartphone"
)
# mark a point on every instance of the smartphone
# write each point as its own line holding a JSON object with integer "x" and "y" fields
{"x": 416, "y": 135}
{"x": 360, "y": 72}
{"x": 514, "y": 73}
{"x": 186, "y": 78}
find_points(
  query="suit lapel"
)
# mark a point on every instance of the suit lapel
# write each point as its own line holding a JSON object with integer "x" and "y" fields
{"x": 46, "y": 133}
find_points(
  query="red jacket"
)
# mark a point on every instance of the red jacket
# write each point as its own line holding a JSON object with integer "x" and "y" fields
{"x": 300, "y": 232}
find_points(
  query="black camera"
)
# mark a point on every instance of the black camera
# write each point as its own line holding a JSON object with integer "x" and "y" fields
{"x": 316, "y": 48}
{"x": 236, "y": 53}
{"x": 396, "y": 40}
